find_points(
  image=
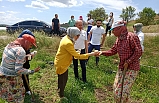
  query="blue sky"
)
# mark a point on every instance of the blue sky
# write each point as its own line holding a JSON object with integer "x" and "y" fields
{"x": 12, "y": 11}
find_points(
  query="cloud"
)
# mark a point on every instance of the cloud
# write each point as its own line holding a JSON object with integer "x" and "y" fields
{"x": 11, "y": 17}
{"x": 63, "y": 3}
{"x": 0, "y": 0}
{"x": 16, "y": 0}
{"x": 37, "y": 4}
{"x": 8, "y": 17}
{"x": 40, "y": 11}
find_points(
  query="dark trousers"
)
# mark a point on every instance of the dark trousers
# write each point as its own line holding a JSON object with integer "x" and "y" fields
{"x": 62, "y": 80}
{"x": 55, "y": 31}
{"x": 96, "y": 47}
{"x": 25, "y": 82}
{"x": 83, "y": 66}
{"x": 108, "y": 28}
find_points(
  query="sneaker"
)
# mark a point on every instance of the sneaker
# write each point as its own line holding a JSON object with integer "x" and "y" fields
{"x": 28, "y": 92}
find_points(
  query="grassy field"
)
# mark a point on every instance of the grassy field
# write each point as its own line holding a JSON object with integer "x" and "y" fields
{"x": 100, "y": 79}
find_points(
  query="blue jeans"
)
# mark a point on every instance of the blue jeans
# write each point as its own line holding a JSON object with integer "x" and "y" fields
{"x": 88, "y": 29}
{"x": 96, "y": 47}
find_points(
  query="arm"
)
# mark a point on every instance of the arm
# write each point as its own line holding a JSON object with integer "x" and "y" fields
{"x": 136, "y": 47}
{"x": 112, "y": 51}
{"x": 52, "y": 24}
{"x": 59, "y": 24}
{"x": 69, "y": 23}
{"x": 72, "y": 51}
{"x": 89, "y": 36}
{"x": 112, "y": 21}
{"x": 86, "y": 43}
{"x": 86, "y": 46}
{"x": 20, "y": 59}
{"x": 103, "y": 39}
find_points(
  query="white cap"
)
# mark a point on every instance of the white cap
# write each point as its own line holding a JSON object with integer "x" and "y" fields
{"x": 117, "y": 24}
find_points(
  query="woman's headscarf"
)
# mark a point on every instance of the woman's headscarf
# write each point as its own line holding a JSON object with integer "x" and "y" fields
{"x": 73, "y": 31}
{"x": 138, "y": 27}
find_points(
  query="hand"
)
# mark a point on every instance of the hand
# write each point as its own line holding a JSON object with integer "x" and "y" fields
{"x": 98, "y": 53}
{"x": 33, "y": 53}
{"x": 91, "y": 54}
{"x": 29, "y": 57}
{"x": 37, "y": 69}
{"x": 125, "y": 65}
{"x": 101, "y": 45}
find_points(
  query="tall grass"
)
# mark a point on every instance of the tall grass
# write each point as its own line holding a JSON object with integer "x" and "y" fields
{"x": 100, "y": 79}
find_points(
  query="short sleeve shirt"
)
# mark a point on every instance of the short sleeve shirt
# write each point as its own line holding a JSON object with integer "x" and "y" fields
{"x": 55, "y": 21}
{"x": 96, "y": 35}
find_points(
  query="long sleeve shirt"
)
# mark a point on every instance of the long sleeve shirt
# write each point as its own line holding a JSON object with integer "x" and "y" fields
{"x": 65, "y": 54}
{"x": 13, "y": 58}
{"x": 129, "y": 50}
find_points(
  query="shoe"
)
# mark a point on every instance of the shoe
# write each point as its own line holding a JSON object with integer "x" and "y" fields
{"x": 28, "y": 92}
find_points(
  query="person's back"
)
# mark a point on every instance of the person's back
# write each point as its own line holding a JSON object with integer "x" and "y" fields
{"x": 138, "y": 31}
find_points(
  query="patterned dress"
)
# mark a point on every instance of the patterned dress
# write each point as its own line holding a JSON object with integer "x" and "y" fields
{"x": 11, "y": 85}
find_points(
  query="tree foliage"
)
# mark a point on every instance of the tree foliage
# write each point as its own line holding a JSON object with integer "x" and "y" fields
{"x": 146, "y": 16}
{"x": 128, "y": 13}
{"x": 98, "y": 13}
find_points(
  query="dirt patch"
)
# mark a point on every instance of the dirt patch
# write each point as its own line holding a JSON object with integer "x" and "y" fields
{"x": 104, "y": 94}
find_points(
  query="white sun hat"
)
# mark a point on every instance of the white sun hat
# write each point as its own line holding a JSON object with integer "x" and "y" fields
{"x": 117, "y": 24}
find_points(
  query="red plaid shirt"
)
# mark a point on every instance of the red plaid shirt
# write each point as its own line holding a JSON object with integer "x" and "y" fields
{"x": 129, "y": 50}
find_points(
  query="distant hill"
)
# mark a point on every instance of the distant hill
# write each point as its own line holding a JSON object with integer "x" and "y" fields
{"x": 64, "y": 25}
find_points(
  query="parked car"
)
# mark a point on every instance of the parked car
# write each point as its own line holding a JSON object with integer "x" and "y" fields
{"x": 33, "y": 25}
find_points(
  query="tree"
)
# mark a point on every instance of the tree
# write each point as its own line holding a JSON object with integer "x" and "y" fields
{"x": 146, "y": 16}
{"x": 128, "y": 13}
{"x": 98, "y": 13}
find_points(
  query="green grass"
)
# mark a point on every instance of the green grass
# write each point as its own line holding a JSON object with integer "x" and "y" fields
{"x": 100, "y": 79}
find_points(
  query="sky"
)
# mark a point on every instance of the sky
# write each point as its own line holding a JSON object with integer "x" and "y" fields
{"x": 13, "y": 11}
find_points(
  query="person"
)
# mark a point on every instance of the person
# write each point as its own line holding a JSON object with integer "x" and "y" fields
{"x": 55, "y": 25}
{"x": 13, "y": 58}
{"x": 110, "y": 21}
{"x": 26, "y": 64}
{"x": 138, "y": 31}
{"x": 90, "y": 23}
{"x": 71, "y": 22}
{"x": 82, "y": 46}
{"x": 64, "y": 56}
{"x": 128, "y": 47}
{"x": 84, "y": 23}
{"x": 95, "y": 34}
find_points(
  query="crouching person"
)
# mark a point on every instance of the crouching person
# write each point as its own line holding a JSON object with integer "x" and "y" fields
{"x": 11, "y": 69}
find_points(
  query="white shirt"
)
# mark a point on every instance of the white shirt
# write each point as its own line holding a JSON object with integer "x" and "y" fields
{"x": 80, "y": 42}
{"x": 96, "y": 35}
{"x": 141, "y": 38}
{"x": 90, "y": 22}
{"x": 110, "y": 21}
